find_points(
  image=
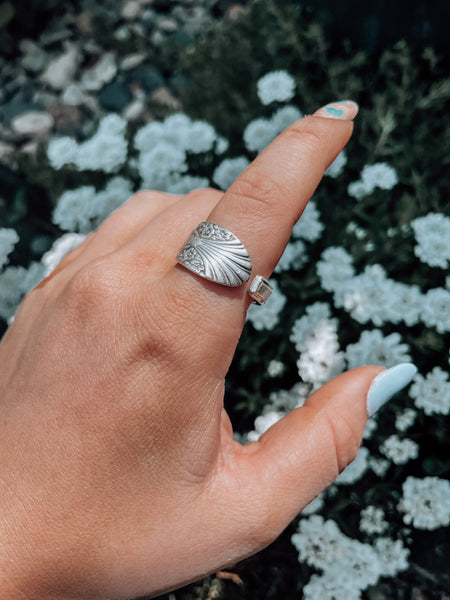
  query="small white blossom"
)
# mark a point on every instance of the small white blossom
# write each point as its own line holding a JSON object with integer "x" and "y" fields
{"x": 267, "y": 315}
{"x": 372, "y": 520}
{"x": 335, "y": 270}
{"x": 432, "y": 233}
{"x": 62, "y": 151}
{"x": 15, "y": 282}
{"x": 201, "y": 137}
{"x": 275, "y": 368}
{"x": 229, "y": 170}
{"x": 73, "y": 209}
{"x": 284, "y": 117}
{"x": 432, "y": 392}
{"x": 373, "y": 348}
{"x": 436, "y": 309}
{"x": 309, "y": 227}
{"x": 276, "y": 86}
{"x": 107, "y": 149}
{"x": 222, "y": 145}
{"x": 294, "y": 257}
{"x": 379, "y": 175}
{"x": 337, "y": 166}
{"x": 258, "y": 134}
{"x": 426, "y": 502}
{"x": 286, "y": 400}
{"x": 399, "y": 451}
{"x": 392, "y": 554}
{"x": 379, "y": 466}
{"x": 8, "y": 239}
{"x": 405, "y": 419}
{"x": 158, "y": 165}
{"x": 370, "y": 427}
{"x": 263, "y": 423}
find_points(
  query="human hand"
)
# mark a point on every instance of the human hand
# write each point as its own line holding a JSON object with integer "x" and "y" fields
{"x": 119, "y": 475}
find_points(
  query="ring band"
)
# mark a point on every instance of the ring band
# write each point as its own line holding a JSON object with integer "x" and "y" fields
{"x": 215, "y": 253}
{"x": 260, "y": 289}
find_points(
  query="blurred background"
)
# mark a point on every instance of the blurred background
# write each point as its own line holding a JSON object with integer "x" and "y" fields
{"x": 101, "y": 98}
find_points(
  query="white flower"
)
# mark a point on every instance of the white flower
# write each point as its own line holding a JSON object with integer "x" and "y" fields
{"x": 372, "y": 520}
{"x": 8, "y": 239}
{"x": 373, "y": 348}
{"x": 222, "y": 144}
{"x": 335, "y": 270}
{"x": 258, "y": 134}
{"x": 201, "y": 138}
{"x": 309, "y": 227}
{"x": 407, "y": 305}
{"x": 379, "y": 466}
{"x": 357, "y": 189}
{"x": 266, "y": 316}
{"x": 287, "y": 400}
{"x": 107, "y": 149}
{"x": 369, "y": 296}
{"x": 399, "y": 451}
{"x": 315, "y": 337}
{"x": 116, "y": 192}
{"x": 356, "y": 469}
{"x": 379, "y": 175}
{"x": 436, "y": 309}
{"x": 158, "y": 164}
{"x": 186, "y": 184}
{"x": 432, "y": 233}
{"x": 370, "y": 427}
{"x": 263, "y": 423}
{"x": 275, "y": 368}
{"x": 426, "y": 502}
{"x": 392, "y": 554}
{"x": 276, "y": 86}
{"x": 405, "y": 419}
{"x": 60, "y": 249}
{"x": 337, "y": 166}
{"x": 293, "y": 257}
{"x": 151, "y": 134}
{"x": 73, "y": 210}
{"x": 432, "y": 393}
{"x": 62, "y": 151}
{"x": 229, "y": 170}
{"x": 285, "y": 116}
{"x": 326, "y": 587}
{"x": 347, "y": 564}
{"x": 15, "y": 282}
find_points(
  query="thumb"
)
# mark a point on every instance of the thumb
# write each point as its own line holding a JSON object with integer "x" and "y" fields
{"x": 306, "y": 450}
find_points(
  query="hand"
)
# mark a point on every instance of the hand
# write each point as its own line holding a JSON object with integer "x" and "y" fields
{"x": 119, "y": 474}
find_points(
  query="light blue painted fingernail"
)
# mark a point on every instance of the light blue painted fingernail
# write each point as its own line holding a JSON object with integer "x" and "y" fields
{"x": 387, "y": 384}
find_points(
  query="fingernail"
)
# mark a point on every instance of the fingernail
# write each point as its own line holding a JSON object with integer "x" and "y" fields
{"x": 388, "y": 383}
{"x": 345, "y": 110}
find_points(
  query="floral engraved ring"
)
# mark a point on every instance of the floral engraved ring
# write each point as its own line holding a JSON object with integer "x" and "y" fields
{"x": 216, "y": 254}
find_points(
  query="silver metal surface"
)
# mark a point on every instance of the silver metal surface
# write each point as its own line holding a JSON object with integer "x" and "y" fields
{"x": 216, "y": 254}
{"x": 260, "y": 289}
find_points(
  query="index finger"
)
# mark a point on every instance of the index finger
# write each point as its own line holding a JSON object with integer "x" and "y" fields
{"x": 264, "y": 203}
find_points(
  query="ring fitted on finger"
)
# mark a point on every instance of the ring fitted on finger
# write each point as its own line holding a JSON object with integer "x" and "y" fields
{"x": 215, "y": 253}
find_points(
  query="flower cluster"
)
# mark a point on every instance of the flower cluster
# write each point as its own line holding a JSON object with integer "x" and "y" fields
{"x": 432, "y": 392}
{"x": 276, "y": 86}
{"x": 105, "y": 151}
{"x": 348, "y": 566}
{"x": 8, "y": 239}
{"x": 399, "y": 451}
{"x": 260, "y": 132}
{"x": 432, "y": 233}
{"x": 426, "y": 502}
{"x": 380, "y": 175}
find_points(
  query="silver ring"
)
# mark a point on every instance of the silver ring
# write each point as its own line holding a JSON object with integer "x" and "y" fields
{"x": 215, "y": 253}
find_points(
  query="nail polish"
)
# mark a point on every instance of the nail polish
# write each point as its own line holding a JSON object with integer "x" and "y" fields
{"x": 387, "y": 383}
{"x": 344, "y": 110}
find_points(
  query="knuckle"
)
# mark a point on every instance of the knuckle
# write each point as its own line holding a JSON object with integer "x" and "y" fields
{"x": 93, "y": 288}
{"x": 256, "y": 194}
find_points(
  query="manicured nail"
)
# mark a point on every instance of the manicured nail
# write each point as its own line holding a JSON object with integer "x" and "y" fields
{"x": 345, "y": 110}
{"x": 388, "y": 383}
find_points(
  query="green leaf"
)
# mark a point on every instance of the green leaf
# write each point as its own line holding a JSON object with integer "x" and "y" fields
{"x": 7, "y": 13}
